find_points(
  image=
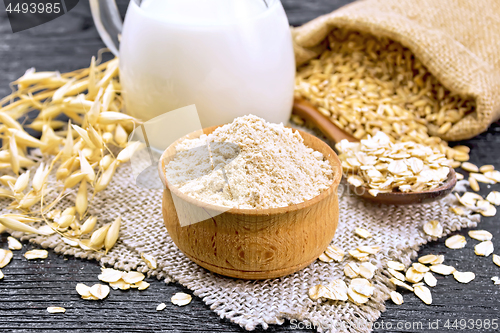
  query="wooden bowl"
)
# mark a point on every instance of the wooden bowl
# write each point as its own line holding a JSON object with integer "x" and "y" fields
{"x": 253, "y": 243}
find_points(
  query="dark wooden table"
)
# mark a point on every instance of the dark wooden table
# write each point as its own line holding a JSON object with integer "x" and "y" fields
{"x": 28, "y": 288}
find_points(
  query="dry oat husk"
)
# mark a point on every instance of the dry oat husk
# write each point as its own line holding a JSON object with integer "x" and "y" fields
{"x": 456, "y": 40}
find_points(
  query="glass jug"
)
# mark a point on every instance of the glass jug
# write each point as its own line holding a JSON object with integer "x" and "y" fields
{"x": 229, "y": 58}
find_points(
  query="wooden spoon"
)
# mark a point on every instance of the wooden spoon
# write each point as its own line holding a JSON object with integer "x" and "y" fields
{"x": 307, "y": 111}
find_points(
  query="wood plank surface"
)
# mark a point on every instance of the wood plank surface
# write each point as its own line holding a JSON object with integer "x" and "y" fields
{"x": 29, "y": 287}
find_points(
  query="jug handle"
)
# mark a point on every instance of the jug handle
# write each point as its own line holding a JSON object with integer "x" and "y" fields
{"x": 108, "y": 22}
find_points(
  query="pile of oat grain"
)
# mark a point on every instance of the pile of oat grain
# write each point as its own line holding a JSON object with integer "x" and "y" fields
{"x": 265, "y": 166}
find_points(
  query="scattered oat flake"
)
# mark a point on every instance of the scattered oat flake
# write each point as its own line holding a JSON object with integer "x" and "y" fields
{"x": 100, "y": 291}
{"x": 467, "y": 166}
{"x": 486, "y": 168}
{"x": 474, "y": 184}
{"x": 181, "y": 299}
{"x": 464, "y": 277}
{"x": 120, "y": 284}
{"x": 110, "y": 275}
{"x": 439, "y": 260}
{"x": 369, "y": 249}
{"x": 414, "y": 276}
{"x": 133, "y": 277}
{"x": 362, "y": 286}
{"x": 433, "y": 228}
{"x": 46, "y": 229}
{"x": 494, "y": 198}
{"x": 161, "y": 307}
{"x": 361, "y": 256}
{"x": 495, "y": 280}
{"x": 456, "y": 242}
{"x": 443, "y": 269}
{"x": 363, "y": 233}
{"x": 55, "y": 309}
{"x": 36, "y": 254}
{"x": 397, "y": 298}
{"x": 367, "y": 270}
{"x": 149, "y": 260}
{"x": 396, "y": 265}
{"x": 335, "y": 253}
{"x": 323, "y": 257}
{"x": 496, "y": 259}
{"x": 480, "y": 235}
{"x": 468, "y": 199}
{"x": 351, "y": 270}
{"x": 424, "y": 294}
{"x": 430, "y": 279}
{"x": 83, "y": 290}
{"x": 141, "y": 285}
{"x": 420, "y": 268}
{"x": 70, "y": 242}
{"x": 356, "y": 298}
{"x": 398, "y": 275}
{"x": 336, "y": 290}
{"x": 484, "y": 248}
{"x": 490, "y": 211}
{"x": 427, "y": 259}
{"x": 316, "y": 292}
{"x": 458, "y": 210}
{"x": 5, "y": 257}
{"x": 14, "y": 244}
{"x": 400, "y": 283}
{"x": 482, "y": 178}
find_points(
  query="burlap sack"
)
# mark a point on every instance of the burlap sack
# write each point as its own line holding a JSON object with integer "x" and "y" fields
{"x": 458, "y": 41}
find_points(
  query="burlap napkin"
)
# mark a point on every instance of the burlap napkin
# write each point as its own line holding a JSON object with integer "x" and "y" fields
{"x": 457, "y": 40}
{"x": 398, "y": 230}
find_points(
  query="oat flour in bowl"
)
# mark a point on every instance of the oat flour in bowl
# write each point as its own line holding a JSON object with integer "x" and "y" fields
{"x": 250, "y": 163}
